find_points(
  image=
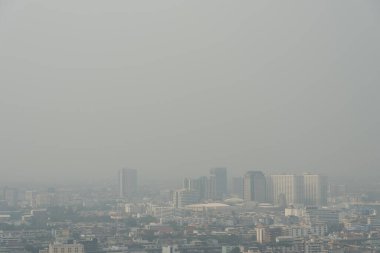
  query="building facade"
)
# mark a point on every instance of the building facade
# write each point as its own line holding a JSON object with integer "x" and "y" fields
{"x": 219, "y": 176}
{"x": 184, "y": 197}
{"x": 127, "y": 182}
{"x": 255, "y": 186}
{"x": 66, "y": 248}
{"x": 287, "y": 189}
{"x": 315, "y": 189}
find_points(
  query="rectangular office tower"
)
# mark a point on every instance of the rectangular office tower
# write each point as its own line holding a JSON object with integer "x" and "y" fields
{"x": 219, "y": 175}
{"x": 255, "y": 186}
{"x": 200, "y": 185}
{"x": 127, "y": 182}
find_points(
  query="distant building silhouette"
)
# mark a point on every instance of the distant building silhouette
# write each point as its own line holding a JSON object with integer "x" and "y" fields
{"x": 218, "y": 179}
{"x": 286, "y": 189}
{"x": 315, "y": 189}
{"x": 127, "y": 182}
{"x": 309, "y": 189}
{"x": 200, "y": 185}
{"x": 255, "y": 186}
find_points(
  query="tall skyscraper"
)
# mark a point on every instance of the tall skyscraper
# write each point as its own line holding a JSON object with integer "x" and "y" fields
{"x": 127, "y": 182}
{"x": 220, "y": 175}
{"x": 286, "y": 188}
{"x": 211, "y": 187}
{"x": 315, "y": 189}
{"x": 203, "y": 187}
{"x": 255, "y": 186}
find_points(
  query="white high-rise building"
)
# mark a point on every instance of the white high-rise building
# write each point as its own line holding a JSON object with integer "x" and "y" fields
{"x": 127, "y": 182}
{"x": 315, "y": 189}
{"x": 286, "y": 189}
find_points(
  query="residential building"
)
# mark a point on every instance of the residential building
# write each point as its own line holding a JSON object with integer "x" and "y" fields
{"x": 315, "y": 189}
{"x": 286, "y": 189}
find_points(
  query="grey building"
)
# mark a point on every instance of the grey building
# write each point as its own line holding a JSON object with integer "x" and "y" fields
{"x": 127, "y": 182}
{"x": 255, "y": 186}
{"x": 219, "y": 176}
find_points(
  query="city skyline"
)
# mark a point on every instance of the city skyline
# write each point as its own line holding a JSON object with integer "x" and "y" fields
{"x": 179, "y": 126}
{"x": 144, "y": 177}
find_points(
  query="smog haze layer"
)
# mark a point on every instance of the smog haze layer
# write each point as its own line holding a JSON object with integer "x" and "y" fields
{"x": 174, "y": 88}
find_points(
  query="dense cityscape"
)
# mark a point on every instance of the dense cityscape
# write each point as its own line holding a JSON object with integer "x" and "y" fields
{"x": 189, "y": 126}
{"x": 254, "y": 213}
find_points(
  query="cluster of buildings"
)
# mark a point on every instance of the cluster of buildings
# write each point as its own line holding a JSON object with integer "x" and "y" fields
{"x": 278, "y": 189}
{"x": 255, "y": 213}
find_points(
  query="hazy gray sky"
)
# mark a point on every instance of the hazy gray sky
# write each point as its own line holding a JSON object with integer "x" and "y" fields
{"x": 174, "y": 88}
